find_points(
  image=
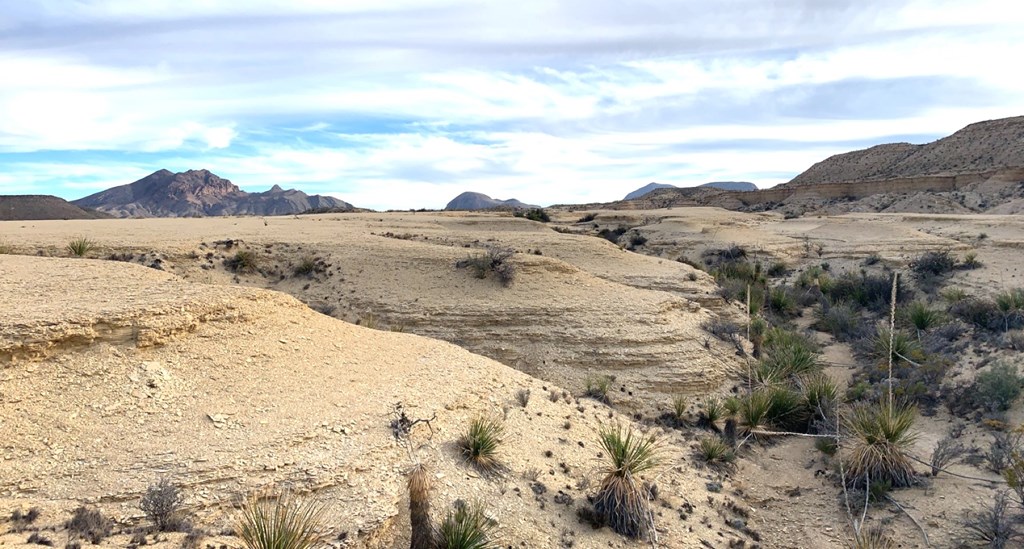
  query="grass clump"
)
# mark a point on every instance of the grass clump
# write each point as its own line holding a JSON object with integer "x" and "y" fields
{"x": 713, "y": 450}
{"x": 873, "y": 538}
{"x": 244, "y": 261}
{"x": 6, "y": 248}
{"x": 496, "y": 261}
{"x": 467, "y": 527}
{"x": 162, "y": 503}
{"x": 820, "y": 394}
{"x": 622, "y": 502}
{"x": 305, "y": 267}
{"x": 280, "y": 521}
{"x": 679, "y": 406}
{"x": 711, "y": 412}
{"x": 523, "y": 397}
{"x": 921, "y": 317}
{"x": 881, "y": 435}
{"x": 597, "y": 388}
{"x": 81, "y": 246}
{"x": 786, "y": 355}
{"x": 480, "y": 444}
{"x": 953, "y": 295}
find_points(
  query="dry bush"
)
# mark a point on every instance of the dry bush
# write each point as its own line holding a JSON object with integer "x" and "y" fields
{"x": 162, "y": 503}
{"x": 89, "y": 523}
{"x": 994, "y": 526}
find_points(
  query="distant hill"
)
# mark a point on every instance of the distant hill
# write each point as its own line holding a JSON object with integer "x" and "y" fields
{"x": 37, "y": 207}
{"x": 979, "y": 147}
{"x": 478, "y": 201}
{"x": 723, "y": 185}
{"x": 201, "y": 193}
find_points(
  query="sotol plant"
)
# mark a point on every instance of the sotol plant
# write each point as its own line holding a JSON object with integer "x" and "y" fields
{"x": 467, "y": 527}
{"x": 621, "y": 500}
{"x": 81, "y": 246}
{"x": 881, "y": 435}
{"x": 480, "y": 444}
{"x": 280, "y": 521}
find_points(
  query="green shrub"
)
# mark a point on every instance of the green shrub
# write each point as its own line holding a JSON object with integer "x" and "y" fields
{"x": 932, "y": 264}
{"x": 998, "y": 388}
{"x": 710, "y": 412}
{"x": 754, "y": 409}
{"x": 881, "y": 436}
{"x": 921, "y": 317}
{"x": 778, "y": 269}
{"x": 840, "y": 320}
{"x": 903, "y": 348}
{"x": 780, "y": 301}
{"x": 787, "y": 410}
{"x": 786, "y": 354}
{"x": 81, "y": 246}
{"x": 244, "y": 261}
{"x": 714, "y": 450}
{"x": 467, "y": 527}
{"x": 621, "y": 501}
{"x": 280, "y": 521}
{"x": 820, "y": 395}
{"x": 479, "y": 445}
{"x": 597, "y": 388}
{"x": 1011, "y": 306}
{"x": 535, "y": 214}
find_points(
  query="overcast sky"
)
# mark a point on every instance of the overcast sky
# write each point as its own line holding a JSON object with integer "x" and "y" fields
{"x": 404, "y": 104}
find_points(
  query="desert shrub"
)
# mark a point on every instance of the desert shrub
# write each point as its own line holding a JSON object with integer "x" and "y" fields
{"x": 998, "y": 387}
{"x": 826, "y": 446}
{"x": 244, "y": 261}
{"x": 758, "y": 330}
{"x": 981, "y": 312}
{"x": 787, "y": 410}
{"x": 496, "y": 260}
{"x": 636, "y": 240}
{"x": 523, "y": 397}
{"x": 778, "y": 269}
{"x": 812, "y": 277}
{"x": 993, "y": 526}
{"x": 1013, "y": 474}
{"x": 713, "y": 450}
{"x": 870, "y": 291}
{"x": 820, "y": 395}
{"x": 872, "y": 259}
{"x": 970, "y": 262}
{"x": 1011, "y": 307}
{"x": 1002, "y": 450}
{"x": 596, "y": 387}
{"x": 754, "y": 410}
{"x": 35, "y": 538}
{"x": 840, "y": 320}
{"x": 5, "y": 248}
{"x": 587, "y": 217}
{"x": 679, "y": 406}
{"x": 480, "y": 444}
{"x": 467, "y": 527}
{"x": 305, "y": 267}
{"x": 710, "y": 412}
{"x": 953, "y": 295}
{"x": 28, "y": 517}
{"x": 921, "y": 317}
{"x": 612, "y": 235}
{"x": 537, "y": 214}
{"x": 622, "y": 501}
{"x": 881, "y": 435}
{"x": 933, "y": 264}
{"x": 786, "y": 354}
{"x": 280, "y": 521}
{"x": 162, "y": 504}
{"x": 946, "y": 450}
{"x": 88, "y": 523}
{"x": 81, "y": 246}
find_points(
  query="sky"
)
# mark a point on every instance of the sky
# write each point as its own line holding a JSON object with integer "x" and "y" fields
{"x": 397, "y": 104}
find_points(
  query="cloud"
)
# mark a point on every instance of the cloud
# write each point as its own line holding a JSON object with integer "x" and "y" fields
{"x": 390, "y": 103}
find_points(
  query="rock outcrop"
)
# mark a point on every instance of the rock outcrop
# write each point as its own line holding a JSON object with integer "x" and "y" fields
{"x": 477, "y": 201}
{"x": 198, "y": 193}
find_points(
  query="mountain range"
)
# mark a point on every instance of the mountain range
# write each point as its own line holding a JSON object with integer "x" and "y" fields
{"x": 722, "y": 185}
{"x": 35, "y": 207}
{"x": 197, "y": 193}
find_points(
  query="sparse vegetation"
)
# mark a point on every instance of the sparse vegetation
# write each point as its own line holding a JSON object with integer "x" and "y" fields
{"x": 713, "y": 450}
{"x": 587, "y": 217}
{"x": 496, "y": 260}
{"x": 244, "y": 261}
{"x": 162, "y": 503}
{"x": 523, "y": 397}
{"x": 881, "y": 435}
{"x": 621, "y": 500}
{"x": 946, "y": 450}
{"x": 479, "y": 446}
{"x": 921, "y": 317}
{"x": 840, "y": 320}
{"x": 81, "y": 246}
{"x": 993, "y": 526}
{"x": 467, "y": 527}
{"x": 873, "y": 538}
{"x": 710, "y": 412}
{"x": 306, "y": 266}
{"x": 90, "y": 524}
{"x": 597, "y": 388}
{"x": 280, "y": 521}
{"x": 997, "y": 388}
{"x": 5, "y": 247}
{"x": 933, "y": 264}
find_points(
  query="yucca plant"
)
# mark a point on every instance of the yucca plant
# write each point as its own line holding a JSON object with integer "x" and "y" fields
{"x": 758, "y": 327}
{"x": 710, "y": 412}
{"x": 953, "y": 295}
{"x": 714, "y": 450}
{"x": 904, "y": 347}
{"x": 423, "y": 533}
{"x": 621, "y": 500}
{"x": 731, "y": 406}
{"x": 1011, "y": 305}
{"x": 820, "y": 394}
{"x": 922, "y": 317}
{"x": 280, "y": 521}
{"x": 480, "y": 444}
{"x": 786, "y": 409}
{"x": 467, "y": 527}
{"x": 80, "y": 246}
{"x": 679, "y": 406}
{"x": 881, "y": 435}
{"x": 753, "y": 411}
{"x": 788, "y": 354}
{"x": 873, "y": 538}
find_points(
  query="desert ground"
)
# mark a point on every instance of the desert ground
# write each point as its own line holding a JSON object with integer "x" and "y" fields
{"x": 158, "y": 355}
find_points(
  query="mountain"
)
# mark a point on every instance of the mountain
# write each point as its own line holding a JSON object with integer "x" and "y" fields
{"x": 979, "y": 147}
{"x": 722, "y": 185}
{"x": 34, "y": 207}
{"x": 478, "y": 201}
{"x": 200, "y": 193}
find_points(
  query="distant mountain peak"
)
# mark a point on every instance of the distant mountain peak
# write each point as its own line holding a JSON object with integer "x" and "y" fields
{"x": 478, "y": 201}
{"x": 200, "y": 193}
{"x": 722, "y": 185}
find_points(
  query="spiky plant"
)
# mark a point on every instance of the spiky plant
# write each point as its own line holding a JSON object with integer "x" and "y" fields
{"x": 820, "y": 394}
{"x": 872, "y": 538}
{"x": 679, "y": 406}
{"x": 731, "y": 406}
{"x": 480, "y": 444}
{"x": 788, "y": 354}
{"x": 922, "y": 317}
{"x": 753, "y": 411}
{"x": 80, "y": 246}
{"x": 280, "y": 521}
{"x": 467, "y": 527}
{"x": 244, "y": 261}
{"x": 597, "y": 387}
{"x": 786, "y": 409}
{"x": 758, "y": 327}
{"x": 953, "y": 295}
{"x": 621, "y": 500}
{"x": 714, "y": 450}
{"x": 881, "y": 435}
{"x": 904, "y": 348}
{"x": 710, "y": 412}
{"x": 419, "y": 509}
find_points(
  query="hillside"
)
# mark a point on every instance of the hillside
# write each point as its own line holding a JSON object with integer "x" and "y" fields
{"x": 469, "y": 201}
{"x": 979, "y": 147}
{"x": 198, "y": 193}
{"x": 33, "y": 207}
{"x": 721, "y": 185}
